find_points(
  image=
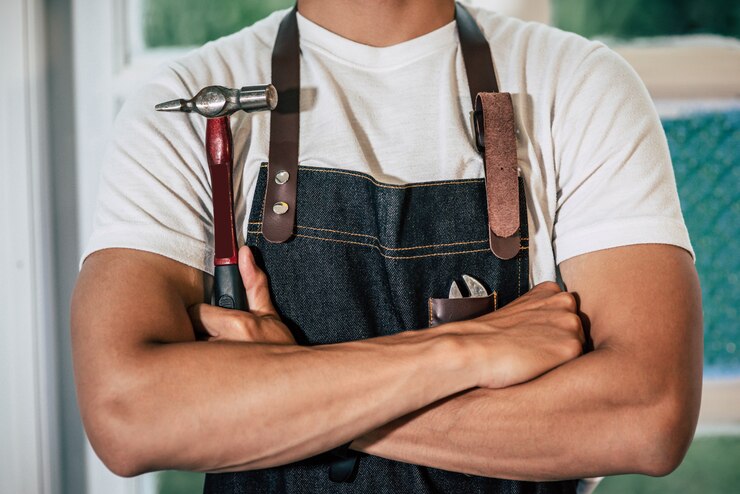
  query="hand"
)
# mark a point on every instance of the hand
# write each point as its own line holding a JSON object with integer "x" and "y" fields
{"x": 530, "y": 336}
{"x": 261, "y": 324}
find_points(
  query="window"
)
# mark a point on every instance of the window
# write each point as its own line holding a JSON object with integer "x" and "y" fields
{"x": 637, "y": 18}
{"x": 194, "y": 22}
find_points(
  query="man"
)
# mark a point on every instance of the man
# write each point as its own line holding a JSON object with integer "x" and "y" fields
{"x": 391, "y": 185}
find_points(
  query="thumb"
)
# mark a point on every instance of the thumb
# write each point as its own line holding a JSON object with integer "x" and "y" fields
{"x": 255, "y": 283}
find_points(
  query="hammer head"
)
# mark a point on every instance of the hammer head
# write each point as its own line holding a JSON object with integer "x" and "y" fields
{"x": 219, "y": 101}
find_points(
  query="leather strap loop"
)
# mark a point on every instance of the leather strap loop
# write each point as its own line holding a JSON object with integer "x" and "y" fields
{"x": 502, "y": 176}
{"x": 494, "y": 129}
{"x": 278, "y": 224}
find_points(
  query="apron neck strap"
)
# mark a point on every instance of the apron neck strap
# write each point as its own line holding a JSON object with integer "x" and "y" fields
{"x": 282, "y": 168}
{"x": 476, "y": 55}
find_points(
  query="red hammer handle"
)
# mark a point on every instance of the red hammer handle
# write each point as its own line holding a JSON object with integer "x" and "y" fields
{"x": 219, "y": 147}
{"x": 229, "y": 289}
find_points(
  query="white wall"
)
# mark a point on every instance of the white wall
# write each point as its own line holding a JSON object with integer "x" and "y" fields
{"x": 28, "y": 430}
{"x": 101, "y": 55}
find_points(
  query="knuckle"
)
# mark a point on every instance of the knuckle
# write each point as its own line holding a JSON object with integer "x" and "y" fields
{"x": 239, "y": 322}
{"x": 573, "y": 348}
{"x": 260, "y": 276}
{"x": 566, "y": 300}
{"x": 549, "y": 286}
{"x": 569, "y": 322}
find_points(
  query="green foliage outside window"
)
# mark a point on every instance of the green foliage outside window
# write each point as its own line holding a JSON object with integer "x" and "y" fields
{"x": 637, "y": 18}
{"x": 194, "y": 22}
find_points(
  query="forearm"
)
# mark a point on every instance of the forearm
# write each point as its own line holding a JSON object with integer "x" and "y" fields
{"x": 235, "y": 406}
{"x": 596, "y": 415}
{"x": 152, "y": 398}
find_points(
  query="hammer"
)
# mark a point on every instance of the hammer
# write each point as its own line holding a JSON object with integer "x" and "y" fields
{"x": 217, "y": 104}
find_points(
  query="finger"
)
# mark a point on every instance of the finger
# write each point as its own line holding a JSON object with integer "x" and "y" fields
{"x": 538, "y": 294}
{"x": 216, "y": 322}
{"x": 200, "y": 316}
{"x": 255, "y": 283}
{"x": 546, "y": 288}
{"x": 219, "y": 324}
{"x": 279, "y": 336}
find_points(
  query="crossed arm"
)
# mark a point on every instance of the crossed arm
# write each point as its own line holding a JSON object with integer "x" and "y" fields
{"x": 629, "y": 406}
{"x": 463, "y": 397}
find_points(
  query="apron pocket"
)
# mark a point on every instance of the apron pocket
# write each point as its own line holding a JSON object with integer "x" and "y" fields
{"x": 444, "y": 310}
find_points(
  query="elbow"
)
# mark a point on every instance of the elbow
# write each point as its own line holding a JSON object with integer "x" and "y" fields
{"x": 667, "y": 436}
{"x": 120, "y": 461}
{"x": 664, "y": 460}
{"x": 116, "y": 447}
{"x": 110, "y": 425}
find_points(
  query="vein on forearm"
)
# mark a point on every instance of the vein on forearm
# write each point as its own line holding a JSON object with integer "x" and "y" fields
{"x": 258, "y": 405}
{"x": 569, "y": 423}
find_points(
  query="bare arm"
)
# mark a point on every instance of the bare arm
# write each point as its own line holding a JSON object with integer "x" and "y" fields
{"x": 631, "y": 405}
{"x": 152, "y": 397}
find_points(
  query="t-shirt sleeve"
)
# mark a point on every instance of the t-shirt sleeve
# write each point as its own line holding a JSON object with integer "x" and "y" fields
{"x": 615, "y": 181}
{"x": 154, "y": 193}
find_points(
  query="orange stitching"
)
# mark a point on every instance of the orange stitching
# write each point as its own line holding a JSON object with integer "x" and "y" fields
{"x": 264, "y": 199}
{"x": 259, "y": 232}
{"x": 378, "y": 240}
{"x": 430, "y": 311}
{"x": 387, "y": 256}
{"x": 495, "y": 300}
{"x": 519, "y": 274}
{"x": 393, "y": 248}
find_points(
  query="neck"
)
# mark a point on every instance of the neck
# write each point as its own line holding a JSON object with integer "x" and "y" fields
{"x": 378, "y": 22}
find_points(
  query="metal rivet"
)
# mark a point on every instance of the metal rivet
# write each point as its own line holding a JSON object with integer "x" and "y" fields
{"x": 282, "y": 177}
{"x": 280, "y": 207}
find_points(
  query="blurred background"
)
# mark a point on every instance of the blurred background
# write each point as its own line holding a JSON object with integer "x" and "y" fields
{"x": 67, "y": 66}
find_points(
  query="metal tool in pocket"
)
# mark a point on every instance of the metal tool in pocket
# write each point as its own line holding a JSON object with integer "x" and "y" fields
{"x": 459, "y": 307}
{"x": 475, "y": 288}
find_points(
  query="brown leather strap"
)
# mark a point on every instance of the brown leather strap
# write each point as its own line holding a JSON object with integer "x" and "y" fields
{"x": 476, "y": 54}
{"x": 502, "y": 176}
{"x": 282, "y": 169}
{"x": 497, "y": 137}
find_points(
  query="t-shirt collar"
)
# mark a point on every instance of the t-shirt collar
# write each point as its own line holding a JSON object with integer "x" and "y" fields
{"x": 351, "y": 52}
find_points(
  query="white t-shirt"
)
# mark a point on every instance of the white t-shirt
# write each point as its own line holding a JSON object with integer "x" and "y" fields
{"x": 591, "y": 148}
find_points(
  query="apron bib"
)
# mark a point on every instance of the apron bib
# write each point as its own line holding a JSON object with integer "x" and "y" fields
{"x": 364, "y": 259}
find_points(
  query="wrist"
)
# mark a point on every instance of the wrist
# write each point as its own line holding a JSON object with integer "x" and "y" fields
{"x": 439, "y": 363}
{"x": 469, "y": 355}
{"x": 454, "y": 356}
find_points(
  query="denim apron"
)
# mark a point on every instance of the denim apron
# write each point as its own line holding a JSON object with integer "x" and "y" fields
{"x": 364, "y": 261}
